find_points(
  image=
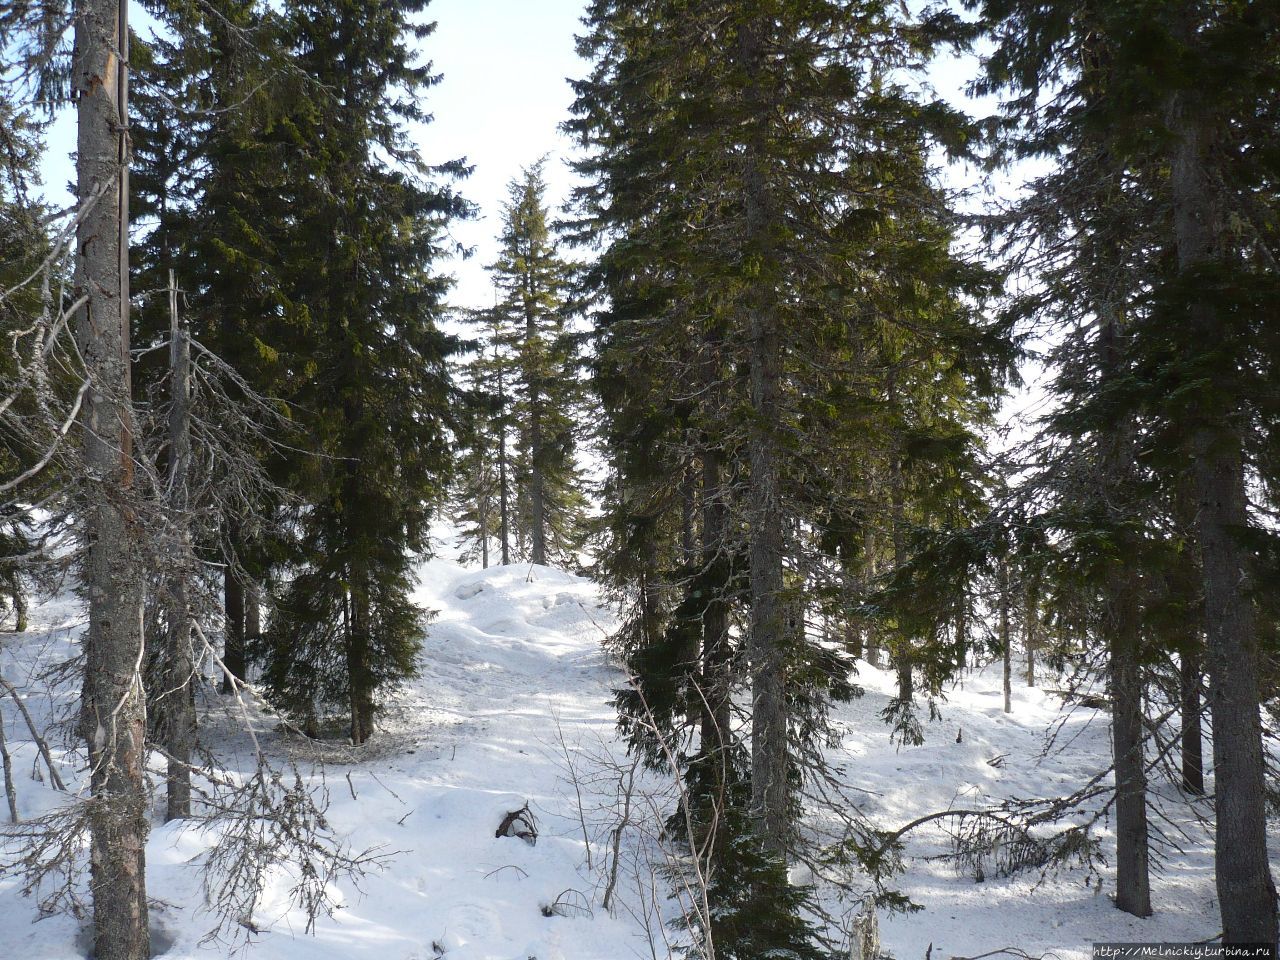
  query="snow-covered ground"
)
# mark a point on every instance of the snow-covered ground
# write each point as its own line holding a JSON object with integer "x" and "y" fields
{"x": 513, "y": 672}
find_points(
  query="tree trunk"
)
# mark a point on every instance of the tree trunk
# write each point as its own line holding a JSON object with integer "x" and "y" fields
{"x": 179, "y": 694}
{"x": 1133, "y": 884}
{"x": 1192, "y": 741}
{"x": 1006, "y": 641}
{"x": 902, "y": 654}
{"x": 19, "y": 599}
{"x": 483, "y": 513}
{"x": 113, "y": 705}
{"x": 716, "y": 651}
{"x": 769, "y": 748}
{"x": 504, "y": 490}
{"x": 357, "y": 616}
{"x": 537, "y": 495}
{"x": 1031, "y": 616}
{"x": 871, "y": 649}
{"x": 1122, "y": 623}
{"x": 252, "y": 612}
{"x": 1246, "y": 889}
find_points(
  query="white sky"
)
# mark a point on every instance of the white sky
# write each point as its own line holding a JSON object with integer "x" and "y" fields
{"x": 506, "y": 65}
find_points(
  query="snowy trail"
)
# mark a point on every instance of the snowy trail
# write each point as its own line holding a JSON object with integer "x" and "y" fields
{"x": 511, "y": 650}
{"x": 513, "y": 653}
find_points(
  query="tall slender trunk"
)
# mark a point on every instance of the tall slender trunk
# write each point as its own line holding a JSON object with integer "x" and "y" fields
{"x": 19, "y": 599}
{"x": 871, "y": 649}
{"x": 769, "y": 747}
{"x": 504, "y": 489}
{"x": 482, "y": 509}
{"x": 1246, "y": 889}
{"x": 1006, "y": 640}
{"x": 179, "y": 703}
{"x": 1189, "y": 679}
{"x": 1122, "y": 623}
{"x": 715, "y": 615}
{"x": 358, "y": 666}
{"x": 902, "y": 653}
{"x": 650, "y": 592}
{"x": 537, "y": 479}
{"x": 113, "y": 711}
{"x": 252, "y": 612}
{"x": 1031, "y": 616}
{"x": 1133, "y": 882}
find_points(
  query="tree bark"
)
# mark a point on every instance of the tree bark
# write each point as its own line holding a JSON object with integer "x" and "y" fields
{"x": 716, "y": 651}
{"x": 1246, "y": 889}
{"x": 1189, "y": 677}
{"x": 871, "y": 649}
{"x": 358, "y": 666}
{"x": 769, "y": 748}
{"x": 902, "y": 654}
{"x": 113, "y": 704}
{"x": 537, "y": 493}
{"x": 504, "y": 502}
{"x": 1122, "y": 623}
{"x": 1133, "y": 883}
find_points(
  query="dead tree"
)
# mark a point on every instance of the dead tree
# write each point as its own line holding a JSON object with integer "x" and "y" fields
{"x": 113, "y": 700}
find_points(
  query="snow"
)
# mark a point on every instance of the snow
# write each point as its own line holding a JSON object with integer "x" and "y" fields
{"x": 513, "y": 675}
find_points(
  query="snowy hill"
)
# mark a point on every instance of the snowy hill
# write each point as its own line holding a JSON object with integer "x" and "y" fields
{"x": 513, "y": 674}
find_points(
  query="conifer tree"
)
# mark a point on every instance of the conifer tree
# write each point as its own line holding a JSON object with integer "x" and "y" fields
{"x": 759, "y": 183}
{"x": 1163, "y": 105}
{"x": 369, "y": 372}
{"x": 531, "y": 279}
{"x": 483, "y": 493}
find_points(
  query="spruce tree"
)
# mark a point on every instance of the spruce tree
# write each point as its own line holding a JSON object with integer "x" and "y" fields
{"x": 531, "y": 278}
{"x": 370, "y": 378}
{"x": 1143, "y": 99}
{"x": 759, "y": 184}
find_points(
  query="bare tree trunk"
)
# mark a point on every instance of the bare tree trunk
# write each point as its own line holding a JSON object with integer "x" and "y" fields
{"x": 6, "y": 762}
{"x": 178, "y": 703}
{"x": 1246, "y": 889}
{"x": 716, "y": 651}
{"x": 19, "y": 599}
{"x": 113, "y": 705}
{"x": 252, "y": 612}
{"x": 483, "y": 510}
{"x": 1122, "y": 624}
